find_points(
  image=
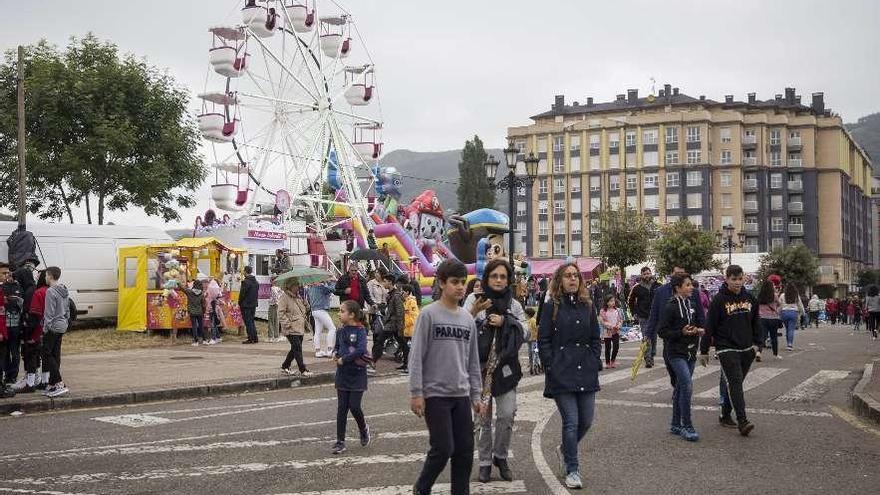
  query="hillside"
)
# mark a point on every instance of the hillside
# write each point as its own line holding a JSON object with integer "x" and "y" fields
{"x": 867, "y": 133}
{"x": 437, "y": 170}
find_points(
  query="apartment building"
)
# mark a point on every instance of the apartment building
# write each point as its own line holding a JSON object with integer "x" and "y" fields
{"x": 778, "y": 170}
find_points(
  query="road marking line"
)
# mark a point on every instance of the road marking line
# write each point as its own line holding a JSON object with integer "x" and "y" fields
{"x": 695, "y": 407}
{"x": 223, "y": 469}
{"x": 38, "y": 492}
{"x": 541, "y": 465}
{"x": 133, "y": 420}
{"x": 814, "y": 387}
{"x": 604, "y": 378}
{"x": 13, "y": 457}
{"x": 394, "y": 380}
{"x": 493, "y": 487}
{"x": 150, "y": 419}
{"x": 755, "y": 378}
{"x": 661, "y": 384}
{"x": 854, "y": 421}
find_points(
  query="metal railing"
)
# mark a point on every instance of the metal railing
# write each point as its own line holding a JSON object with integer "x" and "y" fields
{"x": 795, "y": 162}
{"x": 795, "y": 185}
{"x": 750, "y": 205}
{"x": 750, "y": 184}
{"x": 796, "y": 207}
{"x": 796, "y": 228}
{"x": 750, "y": 161}
{"x": 750, "y": 139}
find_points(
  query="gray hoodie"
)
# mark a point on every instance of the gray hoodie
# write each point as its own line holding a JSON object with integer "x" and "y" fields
{"x": 57, "y": 312}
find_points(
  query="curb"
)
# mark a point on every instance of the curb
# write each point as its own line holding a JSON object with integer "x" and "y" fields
{"x": 863, "y": 404}
{"x": 156, "y": 395}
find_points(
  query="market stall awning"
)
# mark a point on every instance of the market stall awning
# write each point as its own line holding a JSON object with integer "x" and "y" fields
{"x": 588, "y": 266}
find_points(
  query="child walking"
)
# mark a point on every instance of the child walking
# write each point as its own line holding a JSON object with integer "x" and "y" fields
{"x": 533, "y": 339}
{"x": 609, "y": 318}
{"x": 195, "y": 306}
{"x": 445, "y": 381}
{"x": 274, "y": 332}
{"x": 410, "y": 315}
{"x": 351, "y": 357}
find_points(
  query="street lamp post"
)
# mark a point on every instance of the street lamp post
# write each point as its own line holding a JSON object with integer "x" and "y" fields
{"x": 510, "y": 182}
{"x": 725, "y": 241}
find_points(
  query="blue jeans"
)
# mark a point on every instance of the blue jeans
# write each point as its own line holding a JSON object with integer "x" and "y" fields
{"x": 576, "y": 409}
{"x": 683, "y": 389}
{"x": 215, "y": 321}
{"x": 248, "y": 315}
{"x": 790, "y": 320}
{"x": 198, "y": 328}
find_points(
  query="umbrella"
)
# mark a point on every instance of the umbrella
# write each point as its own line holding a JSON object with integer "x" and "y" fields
{"x": 643, "y": 349}
{"x": 368, "y": 255}
{"x": 304, "y": 275}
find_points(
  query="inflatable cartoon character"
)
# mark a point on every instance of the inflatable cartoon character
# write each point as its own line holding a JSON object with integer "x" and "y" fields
{"x": 426, "y": 222}
{"x": 489, "y": 248}
{"x": 388, "y": 192}
{"x": 469, "y": 228}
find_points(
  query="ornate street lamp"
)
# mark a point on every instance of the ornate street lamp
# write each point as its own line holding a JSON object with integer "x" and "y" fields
{"x": 510, "y": 182}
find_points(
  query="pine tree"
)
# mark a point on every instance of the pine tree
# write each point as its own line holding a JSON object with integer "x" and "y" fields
{"x": 473, "y": 190}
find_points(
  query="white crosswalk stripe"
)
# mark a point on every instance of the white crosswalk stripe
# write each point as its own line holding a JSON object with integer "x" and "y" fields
{"x": 661, "y": 384}
{"x": 517, "y": 486}
{"x": 755, "y": 378}
{"x": 814, "y": 387}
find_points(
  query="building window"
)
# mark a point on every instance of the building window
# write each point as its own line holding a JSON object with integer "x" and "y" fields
{"x": 777, "y": 224}
{"x": 672, "y": 202}
{"x": 542, "y": 166}
{"x": 575, "y": 225}
{"x": 614, "y": 140}
{"x": 649, "y": 136}
{"x": 630, "y": 138}
{"x": 650, "y": 158}
{"x": 672, "y": 135}
{"x": 776, "y": 202}
{"x": 558, "y": 206}
{"x": 575, "y": 163}
{"x": 558, "y": 227}
{"x": 520, "y": 208}
{"x": 794, "y": 134}
{"x": 594, "y": 141}
{"x": 672, "y": 179}
{"x": 696, "y": 220}
{"x": 651, "y": 201}
{"x": 693, "y": 134}
{"x": 775, "y": 159}
{"x": 795, "y": 221}
{"x": 672, "y": 157}
{"x": 725, "y": 134}
{"x": 726, "y": 220}
{"x": 594, "y": 225}
{"x": 520, "y": 191}
{"x": 614, "y": 161}
{"x": 542, "y": 186}
{"x": 558, "y": 143}
{"x": 576, "y": 184}
{"x": 575, "y": 205}
{"x": 521, "y": 228}
{"x": 542, "y": 145}
{"x": 694, "y": 178}
{"x": 558, "y": 164}
{"x": 542, "y": 249}
{"x": 594, "y": 162}
{"x": 594, "y": 246}
{"x": 650, "y": 181}
{"x": 727, "y": 200}
{"x": 631, "y": 182}
{"x": 776, "y": 243}
{"x": 775, "y": 136}
{"x": 775, "y": 181}
{"x": 559, "y": 184}
{"x": 576, "y": 248}
{"x": 542, "y": 207}
{"x": 631, "y": 160}
{"x": 726, "y": 157}
{"x": 614, "y": 182}
{"x": 559, "y": 248}
{"x": 672, "y": 218}
{"x": 595, "y": 183}
{"x": 614, "y": 203}
{"x": 595, "y": 203}
{"x": 694, "y": 157}
{"x": 575, "y": 142}
{"x": 695, "y": 200}
{"x": 726, "y": 179}
{"x": 543, "y": 228}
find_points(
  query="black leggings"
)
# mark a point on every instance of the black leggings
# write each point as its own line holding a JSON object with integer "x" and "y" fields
{"x": 403, "y": 342}
{"x": 31, "y": 354}
{"x": 612, "y": 345}
{"x": 295, "y": 352}
{"x": 873, "y": 321}
{"x": 346, "y": 401}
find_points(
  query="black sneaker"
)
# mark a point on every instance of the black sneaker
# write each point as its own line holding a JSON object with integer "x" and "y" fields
{"x": 338, "y": 448}
{"x": 727, "y": 421}
{"x": 365, "y": 437}
{"x": 41, "y": 386}
{"x": 745, "y": 427}
{"x": 6, "y": 392}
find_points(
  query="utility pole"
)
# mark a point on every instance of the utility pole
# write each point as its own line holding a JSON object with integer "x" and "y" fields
{"x": 22, "y": 174}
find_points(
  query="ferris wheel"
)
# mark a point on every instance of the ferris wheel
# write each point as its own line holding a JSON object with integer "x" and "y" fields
{"x": 290, "y": 95}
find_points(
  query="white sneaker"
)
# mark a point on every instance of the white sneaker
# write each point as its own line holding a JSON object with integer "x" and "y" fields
{"x": 59, "y": 390}
{"x": 307, "y": 373}
{"x": 320, "y": 354}
{"x": 48, "y": 390}
{"x": 779, "y": 357}
{"x": 573, "y": 480}
{"x": 195, "y": 344}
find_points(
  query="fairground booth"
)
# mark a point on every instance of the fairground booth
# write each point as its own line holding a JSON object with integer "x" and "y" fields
{"x": 152, "y": 278}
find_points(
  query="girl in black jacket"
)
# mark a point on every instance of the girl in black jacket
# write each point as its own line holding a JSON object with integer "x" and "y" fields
{"x": 680, "y": 341}
{"x": 571, "y": 349}
{"x": 351, "y": 372}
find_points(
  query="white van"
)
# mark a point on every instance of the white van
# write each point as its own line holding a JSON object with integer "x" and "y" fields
{"x": 86, "y": 255}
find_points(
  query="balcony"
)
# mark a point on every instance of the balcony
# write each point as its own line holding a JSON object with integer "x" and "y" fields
{"x": 750, "y": 184}
{"x": 750, "y": 141}
{"x": 750, "y": 161}
{"x": 796, "y": 228}
{"x": 795, "y": 185}
{"x": 750, "y": 206}
{"x": 795, "y": 162}
{"x": 794, "y": 142}
{"x": 750, "y": 228}
{"x": 796, "y": 207}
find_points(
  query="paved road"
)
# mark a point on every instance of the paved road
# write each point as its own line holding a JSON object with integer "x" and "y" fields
{"x": 279, "y": 442}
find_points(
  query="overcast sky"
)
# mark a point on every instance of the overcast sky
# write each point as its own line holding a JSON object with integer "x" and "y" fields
{"x": 449, "y": 70}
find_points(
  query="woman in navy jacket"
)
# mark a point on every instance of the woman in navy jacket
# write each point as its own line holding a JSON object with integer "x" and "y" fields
{"x": 571, "y": 349}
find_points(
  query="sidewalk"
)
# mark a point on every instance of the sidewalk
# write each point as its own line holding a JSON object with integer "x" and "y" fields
{"x": 175, "y": 372}
{"x": 866, "y": 395}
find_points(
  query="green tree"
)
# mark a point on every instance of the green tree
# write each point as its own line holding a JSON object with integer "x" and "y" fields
{"x": 794, "y": 263}
{"x": 624, "y": 238}
{"x": 473, "y": 186}
{"x": 103, "y": 131}
{"x": 868, "y": 277}
{"x": 686, "y": 245}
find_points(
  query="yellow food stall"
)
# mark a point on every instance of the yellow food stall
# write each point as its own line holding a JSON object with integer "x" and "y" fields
{"x": 152, "y": 278}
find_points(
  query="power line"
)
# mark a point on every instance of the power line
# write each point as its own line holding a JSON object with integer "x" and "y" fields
{"x": 424, "y": 179}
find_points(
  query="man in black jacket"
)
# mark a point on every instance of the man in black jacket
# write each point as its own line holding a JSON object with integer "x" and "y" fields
{"x": 352, "y": 286}
{"x": 247, "y": 301}
{"x": 639, "y": 301}
{"x": 734, "y": 328}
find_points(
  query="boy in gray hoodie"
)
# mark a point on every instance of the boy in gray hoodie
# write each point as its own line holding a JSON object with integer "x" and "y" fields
{"x": 55, "y": 319}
